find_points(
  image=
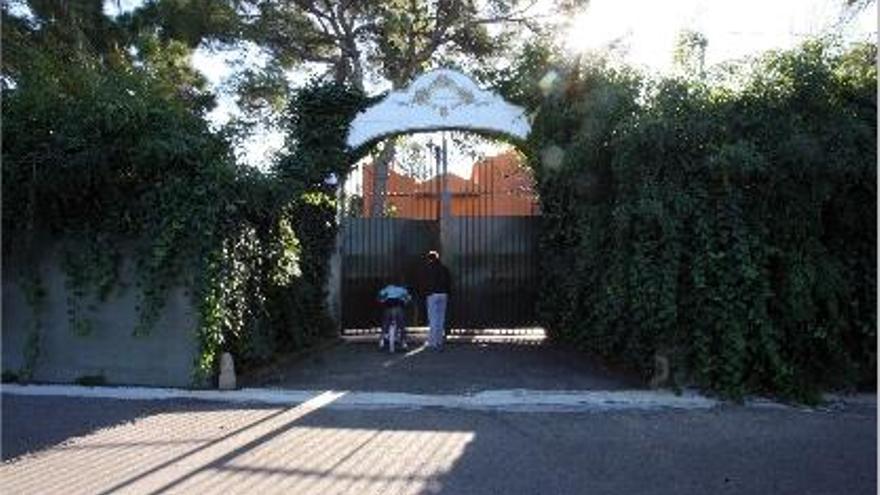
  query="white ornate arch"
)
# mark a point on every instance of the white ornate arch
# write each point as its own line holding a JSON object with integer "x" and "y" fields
{"x": 438, "y": 100}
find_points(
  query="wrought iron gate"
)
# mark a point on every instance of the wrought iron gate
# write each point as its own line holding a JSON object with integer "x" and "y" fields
{"x": 485, "y": 230}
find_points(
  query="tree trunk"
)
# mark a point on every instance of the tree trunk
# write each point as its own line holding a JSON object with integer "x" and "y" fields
{"x": 380, "y": 178}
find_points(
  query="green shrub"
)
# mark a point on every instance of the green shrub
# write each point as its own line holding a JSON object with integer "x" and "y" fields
{"x": 730, "y": 226}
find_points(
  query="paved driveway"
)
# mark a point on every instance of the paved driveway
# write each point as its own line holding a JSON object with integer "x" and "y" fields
{"x": 506, "y": 362}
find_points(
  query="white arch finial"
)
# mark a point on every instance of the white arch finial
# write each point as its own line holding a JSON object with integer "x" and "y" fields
{"x": 440, "y": 99}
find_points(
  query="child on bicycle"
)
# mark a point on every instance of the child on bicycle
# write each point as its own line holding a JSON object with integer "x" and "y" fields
{"x": 394, "y": 299}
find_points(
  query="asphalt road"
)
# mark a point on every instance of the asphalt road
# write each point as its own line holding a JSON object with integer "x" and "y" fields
{"x": 113, "y": 446}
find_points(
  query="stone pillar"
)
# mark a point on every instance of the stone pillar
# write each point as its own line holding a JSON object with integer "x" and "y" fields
{"x": 334, "y": 270}
{"x": 334, "y": 281}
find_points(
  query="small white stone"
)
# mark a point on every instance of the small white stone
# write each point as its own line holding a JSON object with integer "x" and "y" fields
{"x": 227, "y": 373}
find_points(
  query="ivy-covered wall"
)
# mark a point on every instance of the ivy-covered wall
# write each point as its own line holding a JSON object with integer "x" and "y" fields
{"x": 44, "y": 346}
{"x": 105, "y": 167}
{"x": 729, "y": 225}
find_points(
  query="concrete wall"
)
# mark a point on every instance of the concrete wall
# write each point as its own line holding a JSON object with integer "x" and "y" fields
{"x": 164, "y": 357}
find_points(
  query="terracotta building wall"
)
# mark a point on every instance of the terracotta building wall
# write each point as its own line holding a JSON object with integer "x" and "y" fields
{"x": 498, "y": 186}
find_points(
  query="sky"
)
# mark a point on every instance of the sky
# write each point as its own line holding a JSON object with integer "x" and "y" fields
{"x": 645, "y": 29}
{"x": 734, "y": 29}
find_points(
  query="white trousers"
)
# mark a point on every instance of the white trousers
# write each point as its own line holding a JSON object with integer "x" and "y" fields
{"x": 436, "y": 318}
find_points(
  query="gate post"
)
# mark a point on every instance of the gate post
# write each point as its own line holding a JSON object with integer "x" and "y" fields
{"x": 333, "y": 283}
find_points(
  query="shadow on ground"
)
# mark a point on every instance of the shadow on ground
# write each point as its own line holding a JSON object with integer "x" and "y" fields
{"x": 462, "y": 367}
{"x": 30, "y": 424}
{"x": 191, "y": 448}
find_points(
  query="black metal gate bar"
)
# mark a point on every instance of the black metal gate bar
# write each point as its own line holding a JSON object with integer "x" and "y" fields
{"x": 491, "y": 257}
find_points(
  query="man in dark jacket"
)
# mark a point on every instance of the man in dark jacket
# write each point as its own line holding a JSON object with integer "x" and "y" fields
{"x": 435, "y": 283}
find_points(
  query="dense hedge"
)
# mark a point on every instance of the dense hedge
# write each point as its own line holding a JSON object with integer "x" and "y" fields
{"x": 318, "y": 118}
{"x": 728, "y": 225}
